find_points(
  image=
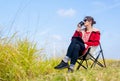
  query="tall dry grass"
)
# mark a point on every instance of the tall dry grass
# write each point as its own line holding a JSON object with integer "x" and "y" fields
{"x": 21, "y": 60}
{"x": 18, "y": 59}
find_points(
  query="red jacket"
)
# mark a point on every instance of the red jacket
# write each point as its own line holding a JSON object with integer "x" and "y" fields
{"x": 94, "y": 39}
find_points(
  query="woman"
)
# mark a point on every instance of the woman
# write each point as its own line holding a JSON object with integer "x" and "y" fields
{"x": 81, "y": 41}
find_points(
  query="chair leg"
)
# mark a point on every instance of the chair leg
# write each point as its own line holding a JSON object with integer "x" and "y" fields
{"x": 86, "y": 64}
{"x": 103, "y": 56}
{"x": 95, "y": 60}
{"x": 97, "y": 63}
{"x": 80, "y": 64}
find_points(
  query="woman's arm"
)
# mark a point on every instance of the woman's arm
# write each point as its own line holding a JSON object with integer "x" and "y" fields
{"x": 94, "y": 39}
{"x": 78, "y": 33}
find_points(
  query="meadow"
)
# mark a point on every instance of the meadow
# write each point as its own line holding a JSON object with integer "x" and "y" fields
{"x": 21, "y": 60}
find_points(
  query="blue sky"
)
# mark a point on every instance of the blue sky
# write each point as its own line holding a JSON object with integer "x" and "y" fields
{"x": 51, "y": 23}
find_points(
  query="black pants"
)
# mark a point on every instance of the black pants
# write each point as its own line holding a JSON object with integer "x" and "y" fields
{"x": 75, "y": 49}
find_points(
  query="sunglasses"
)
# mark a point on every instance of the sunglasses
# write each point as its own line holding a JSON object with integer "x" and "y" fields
{"x": 85, "y": 20}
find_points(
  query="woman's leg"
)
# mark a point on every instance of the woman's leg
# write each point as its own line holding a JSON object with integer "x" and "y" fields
{"x": 79, "y": 47}
{"x": 70, "y": 50}
{"x": 72, "y": 53}
{"x": 64, "y": 62}
{"x": 73, "y": 50}
{"x": 75, "y": 54}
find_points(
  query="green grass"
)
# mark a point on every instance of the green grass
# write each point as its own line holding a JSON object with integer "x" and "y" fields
{"x": 110, "y": 73}
{"x": 22, "y": 61}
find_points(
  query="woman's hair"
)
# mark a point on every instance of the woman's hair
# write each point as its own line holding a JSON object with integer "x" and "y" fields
{"x": 89, "y": 18}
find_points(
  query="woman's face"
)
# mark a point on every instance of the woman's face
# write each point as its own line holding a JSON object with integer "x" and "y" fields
{"x": 87, "y": 23}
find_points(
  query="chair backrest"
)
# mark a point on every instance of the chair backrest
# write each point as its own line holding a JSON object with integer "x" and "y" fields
{"x": 91, "y": 51}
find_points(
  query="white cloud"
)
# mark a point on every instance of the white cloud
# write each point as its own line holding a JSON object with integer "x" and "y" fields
{"x": 56, "y": 37}
{"x": 66, "y": 13}
{"x": 43, "y": 32}
{"x": 99, "y": 4}
{"x": 114, "y": 6}
{"x": 101, "y": 7}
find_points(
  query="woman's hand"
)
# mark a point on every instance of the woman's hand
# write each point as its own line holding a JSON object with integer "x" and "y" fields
{"x": 86, "y": 45}
{"x": 78, "y": 27}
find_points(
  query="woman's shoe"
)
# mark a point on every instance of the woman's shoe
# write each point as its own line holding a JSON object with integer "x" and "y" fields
{"x": 62, "y": 65}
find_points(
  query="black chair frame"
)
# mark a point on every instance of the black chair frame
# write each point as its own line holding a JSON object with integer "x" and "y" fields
{"x": 94, "y": 60}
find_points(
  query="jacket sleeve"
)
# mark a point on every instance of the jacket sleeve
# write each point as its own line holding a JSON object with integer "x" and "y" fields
{"x": 77, "y": 34}
{"x": 94, "y": 39}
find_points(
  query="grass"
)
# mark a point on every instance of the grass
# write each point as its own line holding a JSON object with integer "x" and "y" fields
{"x": 22, "y": 61}
{"x": 111, "y": 73}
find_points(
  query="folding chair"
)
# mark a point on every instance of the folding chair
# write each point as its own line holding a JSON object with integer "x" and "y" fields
{"x": 93, "y": 54}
